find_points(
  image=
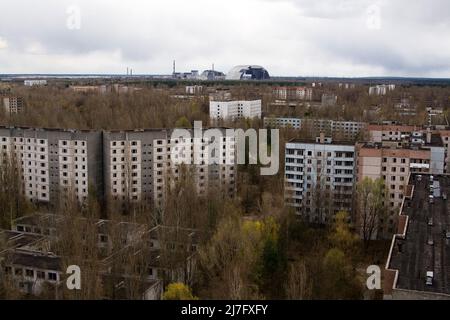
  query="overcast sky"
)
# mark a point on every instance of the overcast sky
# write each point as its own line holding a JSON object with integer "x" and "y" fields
{"x": 288, "y": 37}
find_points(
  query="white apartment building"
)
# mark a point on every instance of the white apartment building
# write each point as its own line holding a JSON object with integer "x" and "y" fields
{"x": 381, "y": 90}
{"x": 126, "y": 169}
{"x": 319, "y": 178}
{"x": 124, "y": 165}
{"x": 142, "y": 165}
{"x": 31, "y": 154}
{"x": 231, "y": 110}
{"x": 32, "y": 83}
{"x": 55, "y": 162}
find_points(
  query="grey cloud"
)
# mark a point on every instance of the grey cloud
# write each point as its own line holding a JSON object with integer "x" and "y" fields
{"x": 289, "y": 37}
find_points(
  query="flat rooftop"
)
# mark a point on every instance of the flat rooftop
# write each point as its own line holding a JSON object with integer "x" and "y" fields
{"x": 436, "y": 141}
{"x": 425, "y": 246}
{"x": 313, "y": 141}
{"x": 36, "y": 260}
{"x": 14, "y": 239}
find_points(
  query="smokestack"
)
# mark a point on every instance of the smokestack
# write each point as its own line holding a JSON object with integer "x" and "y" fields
{"x": 174, "y": 66}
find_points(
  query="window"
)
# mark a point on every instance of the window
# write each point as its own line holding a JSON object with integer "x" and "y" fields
{"x": 52, "y": 276}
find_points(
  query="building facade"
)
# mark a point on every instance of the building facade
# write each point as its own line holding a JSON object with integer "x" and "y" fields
{"x": 381, "y": 90}
{"x": 52, "y": 161}
{"x": 394, "y": 161}
{"x": 294, "y": 123}
{"x": 293, "y": 93}
{"x": 319, "y": 178}
{"x": 13, "y": 105}
{"x": 124, "y": 165}
{"x": 342, "y": 130}
{"x": 231, "y": 110}
{"x": 194, "y": 90}
{"x": 329, "y": 100}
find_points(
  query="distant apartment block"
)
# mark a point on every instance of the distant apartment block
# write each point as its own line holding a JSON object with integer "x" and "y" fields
{"x": 230, "y": 110}
{"x": 33, "y": 83}
{"x": 13, "y": 105}
{"x": 294, "y": 123}
{"x": 381, "y": 90}
{"x": 344, "y": 130}
{"x": 220, "y": 94}
{"x": 329, "y": 100}
{"x": 102, "y": 89}
{"x": 435, "y": 115}
{"x": 405, "y": 108}
{"x": 319, "y": 178}
{"x": 347, "y": 86}
{"x": 194, "y": 90}
{"x": 391, "y": 131}
{"x": 125, "y": 165}
{"x": 293, "y": 93}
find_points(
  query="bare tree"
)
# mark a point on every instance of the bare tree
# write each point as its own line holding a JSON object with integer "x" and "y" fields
{"x": 371, "y": 207}
{"x": 299, "y": 285}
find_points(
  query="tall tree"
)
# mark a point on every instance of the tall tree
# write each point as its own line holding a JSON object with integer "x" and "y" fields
{"x": 371, "y": 204}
